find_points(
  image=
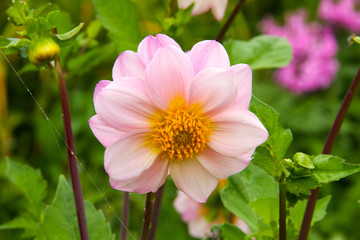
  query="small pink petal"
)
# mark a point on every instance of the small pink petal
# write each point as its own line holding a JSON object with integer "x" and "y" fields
{"x": 168, "y": 75}
{"x": 124, "y": 104}
{"x": 200, "y": 7}
{"x": 199, "y": 227}
{"x": 99, "y": 87}
{"x": 103, "y": 131}
{"x": 193, "y": 179}
{"x": 150, "y": 45}
{"x": 243, "y": 80}
{"x": 188, "y": 208}
{"x": 237, "y": 132}
{"x": 128, "y": 64}
{"x": 218, "y": 8}
{"x": 214, "y": 89}
{"x": 148, "y": 181}
{"x": 183, "y": 4}
{"x": 208, "y": 53}
{"x": 220, "y": 165}
{"x": 129, "y": 156}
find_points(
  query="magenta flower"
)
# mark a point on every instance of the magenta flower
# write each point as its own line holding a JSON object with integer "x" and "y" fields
{"x": 314, "y": 48}
{"x": 173, "y": 112}
{"x": 201, "y": 218}
{"x": 342, "y": 13}
{"x": 217, "y": 7}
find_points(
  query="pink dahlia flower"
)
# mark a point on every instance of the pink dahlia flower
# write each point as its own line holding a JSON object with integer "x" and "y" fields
{"x": 314, "y": 49}
{"x": 217, "y": 7}
{"x": 167, "y": 111}
{"x": 200, "y": 217}
{"x": 342, "y": 13}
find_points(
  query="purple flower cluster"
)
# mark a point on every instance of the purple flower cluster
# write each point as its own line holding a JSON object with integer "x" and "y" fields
{"x": 314, "y": 48}
{"x": 342, "y": 13}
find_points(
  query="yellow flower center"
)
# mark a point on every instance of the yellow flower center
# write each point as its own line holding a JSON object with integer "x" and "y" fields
{"x": 181, "y": 132}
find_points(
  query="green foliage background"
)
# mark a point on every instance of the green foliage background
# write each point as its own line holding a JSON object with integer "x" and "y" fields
{"x": 26, "y": 136}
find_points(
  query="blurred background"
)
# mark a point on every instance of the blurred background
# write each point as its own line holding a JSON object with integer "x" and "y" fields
{"x": 26, "y": 136}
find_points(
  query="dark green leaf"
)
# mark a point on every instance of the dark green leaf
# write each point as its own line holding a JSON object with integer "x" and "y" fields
{"x": 301, "y": 185}
{"x": 119, "y": 17}
{"x": 14, "y": 45}
{"x": 38, "y": 28}
{"x": 60, "y": 20}
{"x": 72, "y": 33}
{"x": 228, "y": 232}
{"x": 60, "y": 221}
{"x": 331, "y": 168}
{"x": 269, "y": 154}
{"x": 93, "y": 29}
{"x": 30, "y": 182}
{"x": 260, "y": 52}
{"x": 26, "y": 222}
{"x": 297, "y": 212}
{"x": 247, "y": 186}
{"x": 267, "y": 208}
{"x": 18, "y": 13}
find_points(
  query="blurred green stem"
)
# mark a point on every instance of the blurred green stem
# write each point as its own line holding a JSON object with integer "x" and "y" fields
{"x": 310, "y": 207}
{"x": 125, "y": 215}
{"x": 156, "y": 212}
{"x": 150, "y": 197}
{"x": 282, "y": 208}
{"x": 79, "y": 203}
{"x": 230, "y": 20}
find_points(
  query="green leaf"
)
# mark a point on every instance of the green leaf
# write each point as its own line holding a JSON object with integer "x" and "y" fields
{"x": 30, "y": 182}
{"x": 60, "y": 221}
{"x": 269, "y": 154}
{"x": 247, "y": 186}
{"x": 60, "y": 20}
{"x": 228, "y": 232}
{"x": 26, "y": 222}
{"x": 331, "y": 168}
{"x": 70, "y": 34}
{"x": 38, "y": 28}
{"x": 93, "y": 29}
{"x": 297, "y": 212}
{"x": 267, "y": 208}
{"x": 301, "y": 185}
{"x": 119, "y": 17}
{"x": 260, "y": 52}
{"x": 18, "y": 13}
{"x": 84, "y": 63}
{"x": 13, "y": 45}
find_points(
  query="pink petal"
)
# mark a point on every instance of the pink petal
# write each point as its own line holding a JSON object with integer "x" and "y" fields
{"x": 214, "y": 89}
{"x": 184, "y": 3}
{"x": 150, "y": 45}
{"x": 188, "y": 208}
{"x": 237, "y": 132}
{"x": 200, "y": 7}
{"x": 148, "y": 181}
{"x": 200, "y": 227}
{"x": 99, "y": 87}
{"x": 128, "y": 64}
{"x": 124, "y": 104}
{"x": 193, "y": 179}
{"x": 243, "y": 80}
{"x": 218, "y": 8}
{"x": 103, "y": 131}
{"x": 220, "y": 165}
{"x": 208, "y": 53}
{"x": 168, "y": 76}
{"x": 129, "y": 156}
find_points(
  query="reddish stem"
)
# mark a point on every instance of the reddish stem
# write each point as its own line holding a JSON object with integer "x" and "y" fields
{"x": 79, "y": 203}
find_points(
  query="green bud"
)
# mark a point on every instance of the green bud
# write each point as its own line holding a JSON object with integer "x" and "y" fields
{"x": 43, "y": 51}
{"x": 304, "y": 160}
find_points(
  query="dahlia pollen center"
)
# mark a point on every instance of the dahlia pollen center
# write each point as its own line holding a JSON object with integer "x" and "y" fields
{"x": 180, "y": 133}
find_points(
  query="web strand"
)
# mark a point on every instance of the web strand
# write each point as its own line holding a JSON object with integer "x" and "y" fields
{"x": 53, "y": 128}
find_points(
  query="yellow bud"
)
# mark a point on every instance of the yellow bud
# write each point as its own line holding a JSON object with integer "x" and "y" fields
{"x": 43, "y": 51}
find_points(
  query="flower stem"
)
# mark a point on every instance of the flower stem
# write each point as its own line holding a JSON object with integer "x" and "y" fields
{"x": 125, "y": 215}
{"x": 79, "y": 203}
{"x": 171, "y": 8}
{"x": 156, "y": 212}
{"x": 282, "y": 208}
{"x": 150, "y": 197}
{"x": 310, "y": 207}
{"x": 229, "y": 21}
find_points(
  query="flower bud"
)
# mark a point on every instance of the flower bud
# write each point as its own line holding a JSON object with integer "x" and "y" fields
{"x": 43, "y": 51}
